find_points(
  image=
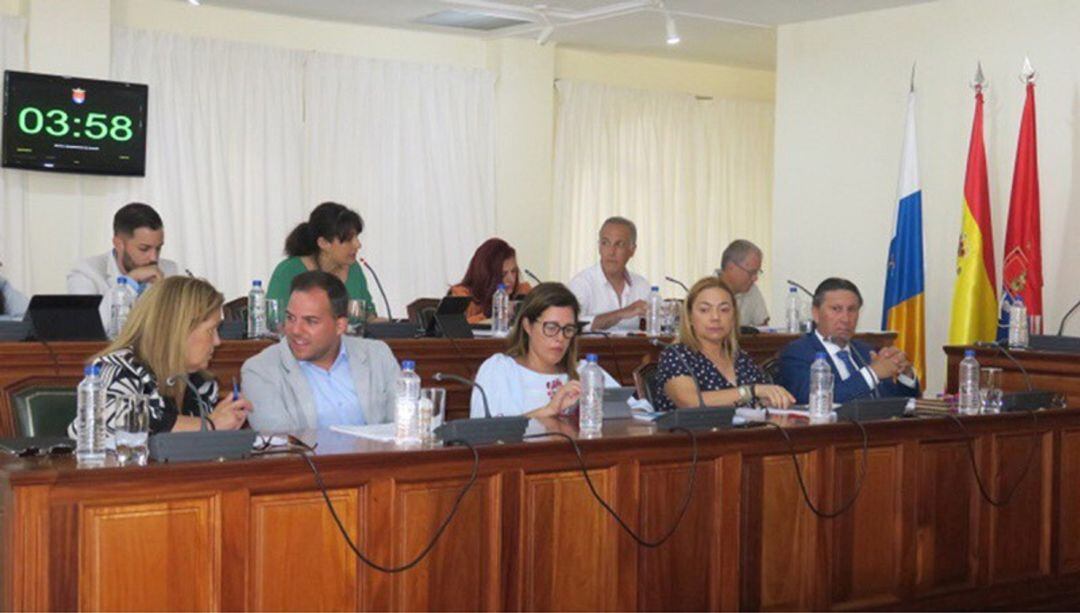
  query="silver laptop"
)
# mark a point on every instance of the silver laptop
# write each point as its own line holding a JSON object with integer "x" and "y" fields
{"x": 615, "y": 406}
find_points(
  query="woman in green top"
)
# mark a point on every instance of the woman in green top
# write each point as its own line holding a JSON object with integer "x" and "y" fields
{"x": 327, "y": 241}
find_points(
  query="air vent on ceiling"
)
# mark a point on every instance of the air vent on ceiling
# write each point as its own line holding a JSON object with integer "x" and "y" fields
{"x": 471, "y": 20}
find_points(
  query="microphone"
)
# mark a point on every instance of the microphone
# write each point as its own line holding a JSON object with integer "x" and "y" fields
{"x": 532, "y": 276}
{"x": 677, "y": 282}
{"x": 1061, "y": 328}
{"x": 189, "y": 273}
{"x": 1003, "y": 350}
{"x": 485, "y": 431}
{"x": 203, "y": 445}
{"x": 805, "y": 291}
{"x": 440, "y": 376}
{"x": 378, "y": 284}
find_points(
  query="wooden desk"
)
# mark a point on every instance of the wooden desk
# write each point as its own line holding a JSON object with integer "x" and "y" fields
{"x": 255, "y": 534}
{"x": 1058, "y": 372}
{"x": 24, "y": 364}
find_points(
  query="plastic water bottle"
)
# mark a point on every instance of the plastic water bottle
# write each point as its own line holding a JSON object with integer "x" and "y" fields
{"x": 821, "y": 387}
{"x": 654, "y": 320}
{"x": 256, "y": 324}
{"x": 793, "y": 311}
{"x": 500, "y": 312}
{"x": 591, "y": 404}
{"x": 1018, "y": 324}
{"x": 90, "y": 418}
{"x": 123, "y": 297}
{"x": 407, "y": 409}
{"x": 970, "y": 400}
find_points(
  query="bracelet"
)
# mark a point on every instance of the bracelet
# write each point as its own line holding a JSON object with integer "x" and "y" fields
{"x": 745, "y": 395}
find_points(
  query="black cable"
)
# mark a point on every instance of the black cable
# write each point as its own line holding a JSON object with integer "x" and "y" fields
{"x": 968, "y": 437}
{"x": 603, "y": 503}
{"x": 434, "y": 539}
{"x": 802, "y": 484}
{"x": 1008, "y": 354}
{"x": 460, "y": 355}
{"x": 52, "y": 356}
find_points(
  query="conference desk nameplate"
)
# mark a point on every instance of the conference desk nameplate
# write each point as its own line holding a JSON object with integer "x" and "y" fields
{"x": 255, "y": 534}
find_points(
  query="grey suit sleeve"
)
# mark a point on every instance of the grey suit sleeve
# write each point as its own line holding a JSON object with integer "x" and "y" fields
{"x": 267, "y": 400}
{"x": 389, "y": 372}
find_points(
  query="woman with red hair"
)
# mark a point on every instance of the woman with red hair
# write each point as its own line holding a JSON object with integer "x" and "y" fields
{"x": 494, "y": 262}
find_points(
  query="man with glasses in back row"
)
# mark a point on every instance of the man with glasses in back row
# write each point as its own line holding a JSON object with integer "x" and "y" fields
{"x": 740, "y": 268}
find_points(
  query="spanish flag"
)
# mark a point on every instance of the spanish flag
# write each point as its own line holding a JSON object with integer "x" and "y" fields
{"x": 904, "y": 285}
{"x": 974, "y": 306}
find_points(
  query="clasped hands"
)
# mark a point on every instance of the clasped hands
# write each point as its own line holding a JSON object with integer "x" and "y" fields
{"x": 890, "y": 363}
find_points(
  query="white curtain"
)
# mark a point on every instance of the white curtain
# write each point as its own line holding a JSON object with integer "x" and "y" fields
{"x": 244, "y": 140}
{"x": 411, "y": 147}
{"x": 692, "y": 174}
{"x": 14, "y": 250}
{"x": 224, "y": 150}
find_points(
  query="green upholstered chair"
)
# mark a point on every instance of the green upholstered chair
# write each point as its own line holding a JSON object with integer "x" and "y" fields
{"x": 43, "y": 409}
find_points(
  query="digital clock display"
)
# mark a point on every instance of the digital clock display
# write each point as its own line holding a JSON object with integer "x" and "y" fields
{"x": 74, "y": 125}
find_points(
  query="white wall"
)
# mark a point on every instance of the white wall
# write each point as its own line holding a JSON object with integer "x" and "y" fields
{"x": 70, "y": 217}
{"x": 841, "y": 94}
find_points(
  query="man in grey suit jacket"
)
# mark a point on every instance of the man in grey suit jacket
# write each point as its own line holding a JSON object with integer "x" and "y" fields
{"x": 138, "y": 237}
{"x": 317, "y": 377}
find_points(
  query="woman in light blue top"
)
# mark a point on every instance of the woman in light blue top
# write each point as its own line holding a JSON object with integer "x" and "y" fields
{"x": 538, "y": 374}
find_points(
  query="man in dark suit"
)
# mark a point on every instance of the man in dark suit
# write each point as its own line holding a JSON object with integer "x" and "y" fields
{"x": 857, "y": 370}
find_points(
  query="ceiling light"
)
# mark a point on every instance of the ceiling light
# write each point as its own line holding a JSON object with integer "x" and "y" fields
{"x": 672, "y": 33}
{"x": 194, "y": 2}
{"x": 545, "y": 35}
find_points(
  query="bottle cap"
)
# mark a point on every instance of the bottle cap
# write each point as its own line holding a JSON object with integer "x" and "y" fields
{"x": 591, "y": 358}
{"x": 821, "y": 355}
{"x": 256, "y": 283}
{"x": 656, "y": 288}
{"x": 969, "y": 353}
{"x": 88, "y": 370}
{"x": 502, "y": 286}
{"x": 408, "y": 365}
{"x": 792, "y": 289}
{"x": 1019, "y": 300}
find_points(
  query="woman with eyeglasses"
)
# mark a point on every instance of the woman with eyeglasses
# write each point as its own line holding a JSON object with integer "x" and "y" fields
{"x": 538, "y": 374}
{"x": 708, "y": 355}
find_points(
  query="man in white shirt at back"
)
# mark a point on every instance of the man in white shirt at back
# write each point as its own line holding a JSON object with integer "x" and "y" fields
{"x": 138, "y": 237}
{"x": 612, "y": 297}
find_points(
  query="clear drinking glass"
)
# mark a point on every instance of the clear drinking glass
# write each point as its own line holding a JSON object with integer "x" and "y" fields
{"x": 357, "y": 317}
{"x": 1035, "y": 324}
{"x": 432, "y": 410}
{"x": 133, "y": 430}
{"x": 990, "y": 389}
{"x": 669, "y": 317}
{"x": 274, "y": 318}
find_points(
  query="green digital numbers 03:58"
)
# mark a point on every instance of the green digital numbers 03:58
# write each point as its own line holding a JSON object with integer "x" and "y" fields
{"x": 58, "y": 123}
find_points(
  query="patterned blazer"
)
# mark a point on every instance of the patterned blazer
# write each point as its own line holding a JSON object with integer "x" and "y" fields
{"x": 123, "y": 375}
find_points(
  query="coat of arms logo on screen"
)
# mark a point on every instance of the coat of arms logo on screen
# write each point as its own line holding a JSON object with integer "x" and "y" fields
{"x": 78, "y": 95}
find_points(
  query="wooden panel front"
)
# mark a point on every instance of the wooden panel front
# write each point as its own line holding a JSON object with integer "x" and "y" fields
{"x": 155, "y": 556}
{"x": 946, "y": 518}
{"x": 867, "y": 541}
{"x": 1020, "y": 530}
{"x": 677, "y": 575}
{"x": 1068, "y": 512}
{"x": 466, "y": 557}
{"x": 294, "y": 541}
{"x": 571, "y": 560}
{"x": 781, "y": 565}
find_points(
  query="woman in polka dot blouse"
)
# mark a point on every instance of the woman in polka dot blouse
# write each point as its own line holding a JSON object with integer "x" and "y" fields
{"x": 708, "y": 351}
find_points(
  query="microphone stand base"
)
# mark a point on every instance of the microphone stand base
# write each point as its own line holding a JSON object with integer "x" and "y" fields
{"x": 201, "y": 446}
{"x": 704, "y": 418}
{"x": 486, "y": 431}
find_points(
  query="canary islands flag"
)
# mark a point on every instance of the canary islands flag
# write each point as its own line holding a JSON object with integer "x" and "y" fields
{"x": 904, "y": 287}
